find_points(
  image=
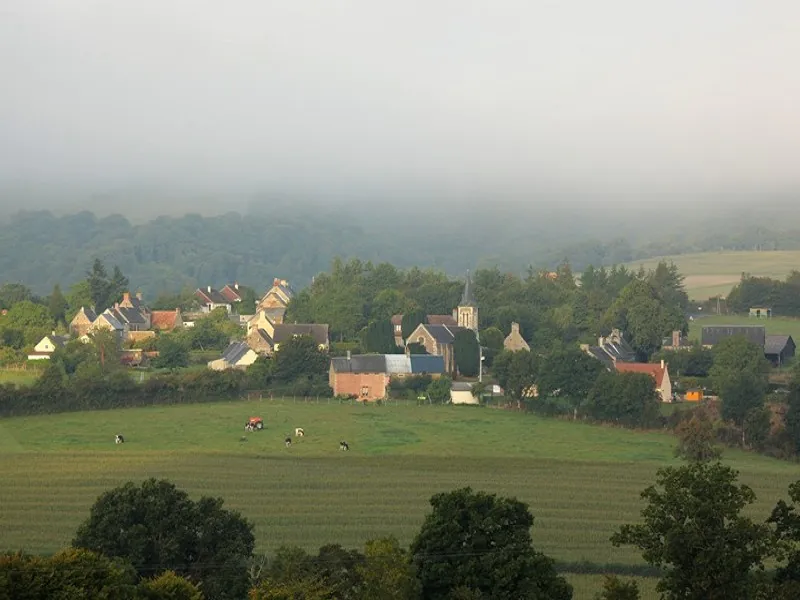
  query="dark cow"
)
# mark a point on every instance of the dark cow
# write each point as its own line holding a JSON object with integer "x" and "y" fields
{"x": 118, "y": 439}
{"x": 344, "y": 446}
{"x": 288, "y": 441}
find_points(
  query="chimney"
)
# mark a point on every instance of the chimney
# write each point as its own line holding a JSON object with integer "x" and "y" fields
{"x": 348, "y": 355}
{"x": 236, "y": 285}
{"x": 139, "y": 296}
{"x": 126, "y": 296}
{"x": 209, "y": 289}
{"x": 515, "y": 327}
{"x": 676, "y": 339}
{"x": 600, "y": 341}
{"x": 662, "y": 363}
{"x": 276, "y": 281}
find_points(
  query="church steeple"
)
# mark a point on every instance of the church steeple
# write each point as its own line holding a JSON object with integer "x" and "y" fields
{"x": 468, "y": 307}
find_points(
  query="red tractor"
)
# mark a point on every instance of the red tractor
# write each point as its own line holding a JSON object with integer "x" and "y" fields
{"x": 254, "y": 424}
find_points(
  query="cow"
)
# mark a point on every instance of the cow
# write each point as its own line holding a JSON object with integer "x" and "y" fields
{"x": 288, "y": 441}
{"x": 118, "y": 439}
{"x": 299, "y": 432}
{"x": 249, "y": 426}
{"x": 344, "y": 446}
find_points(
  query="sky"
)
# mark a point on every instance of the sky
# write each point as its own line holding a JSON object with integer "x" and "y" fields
{"x": 439, "y": 98}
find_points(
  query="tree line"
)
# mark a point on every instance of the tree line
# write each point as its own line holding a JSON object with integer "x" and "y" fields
{"x": 782, "y": 297}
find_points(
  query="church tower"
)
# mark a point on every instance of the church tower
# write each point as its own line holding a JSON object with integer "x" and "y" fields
{"x": 468, "y": 308}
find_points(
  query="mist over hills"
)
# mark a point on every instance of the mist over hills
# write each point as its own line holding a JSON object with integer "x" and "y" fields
{"x": 296, "y": 239}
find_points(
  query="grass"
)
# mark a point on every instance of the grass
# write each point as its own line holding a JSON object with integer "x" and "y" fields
{"x": 18, "y": 377}
{"x": 580, "y": 481}
{"x": 709, "y": 274}
{"x": 774, "y": 325}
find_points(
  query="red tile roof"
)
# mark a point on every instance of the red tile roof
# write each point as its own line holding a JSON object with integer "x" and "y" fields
{"x": 655, "y": 370}
{"x": 163, "y": 319}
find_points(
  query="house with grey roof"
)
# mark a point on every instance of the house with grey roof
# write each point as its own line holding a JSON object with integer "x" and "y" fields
{"x": 82, "y": 321}
{"x": 367, "y": 376}
{"x": 286, "y": 331}
{"x": 779, "y": 349}
{"x": 47, "y": 345}
{"x": 611, "y": 349}
{"x": 211, "y": 299}
{"x": 238, "y": 355}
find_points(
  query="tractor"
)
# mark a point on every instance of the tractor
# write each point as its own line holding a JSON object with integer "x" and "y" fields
{"x": 254, "y": 424}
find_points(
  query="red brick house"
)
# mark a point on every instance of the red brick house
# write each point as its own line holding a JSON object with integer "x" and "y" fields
{"x": 366, "y": 377}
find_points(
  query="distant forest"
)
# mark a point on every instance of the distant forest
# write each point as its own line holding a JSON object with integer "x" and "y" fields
{"x": 168, "y": 254}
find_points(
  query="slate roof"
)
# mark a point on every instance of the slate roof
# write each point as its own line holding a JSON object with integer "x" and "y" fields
{"x": 443, "y": 320}
{"x": 88, "y": 313}
{"x": 390, "y": 364}
{"x": 598, "y": 353}
{"x": 426, "y": 363}
{"x": 111, "y": 319}
{"x": 443, "y": 334}
{"x": 714, "y": 334}
{"x": 467, "y": 299}
{"x": 128, "y": 315}
{"x": 776, "y": 344}
{"x": 262, "y": 334}
{"x": 461, "y": 386}
{"x": 360, "y": 363}
{"x": 619, "y": 350}
{"x": 212, "y": 297}
{"x": 287, "y": 331}
{"x": 235, "y": 352}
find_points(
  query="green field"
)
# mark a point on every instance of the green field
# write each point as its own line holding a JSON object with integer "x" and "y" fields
{"x": 710, "y": 274}
{"x": 775, "y": 325}
{"x": 18, "y": 377}
{"x": 581, "y": 481}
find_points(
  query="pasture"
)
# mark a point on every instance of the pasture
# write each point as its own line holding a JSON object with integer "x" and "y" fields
{"x": 774, "y": 325}
{"x": 580, "y": 481}
{"x": 709, "y": 274}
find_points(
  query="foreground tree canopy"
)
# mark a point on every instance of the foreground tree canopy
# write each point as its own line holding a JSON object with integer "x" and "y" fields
{"x": 481, "y": 543}
{"x": 157, "y": 527}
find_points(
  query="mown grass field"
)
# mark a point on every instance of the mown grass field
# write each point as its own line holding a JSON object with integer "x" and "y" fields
{"x": 709, "y": 274}
{"x": 18, "y": 377}
{"x": 580, "y": 481}
{"x": 774, "y": 325}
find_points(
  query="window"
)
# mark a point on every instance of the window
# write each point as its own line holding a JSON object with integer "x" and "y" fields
{"x": 364, "y": 390}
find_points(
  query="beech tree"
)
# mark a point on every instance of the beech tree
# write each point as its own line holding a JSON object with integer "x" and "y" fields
{"x": 156, "y": 524}
{"x": 482, "y": 542}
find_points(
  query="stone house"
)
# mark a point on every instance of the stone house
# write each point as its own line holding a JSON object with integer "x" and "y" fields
{"x": 276, "y": 299}
{"x": 260, "y": 341}
{"x": 514, "y": 340}
{"x": 82, "y": 321}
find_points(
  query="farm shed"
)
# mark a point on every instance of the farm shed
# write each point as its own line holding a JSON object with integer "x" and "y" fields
{"x": 779, "y": 348}
{"x": 694, "y": 395}
{"x": 760, "y": 312}
{"x": 714, "y": 334}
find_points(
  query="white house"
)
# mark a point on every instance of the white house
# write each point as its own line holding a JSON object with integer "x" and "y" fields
{"x": 47, "y": 345}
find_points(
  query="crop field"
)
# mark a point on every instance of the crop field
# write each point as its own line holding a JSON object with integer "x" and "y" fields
{"x": 710, "y": 274}
{"x": 774, "y": 325}
{"x": 580, "y": 481}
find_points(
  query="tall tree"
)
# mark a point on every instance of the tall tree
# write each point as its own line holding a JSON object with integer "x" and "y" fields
{"x": 99, "y": 285}
{"x": 482, "y": 542}
{"x": 379, "y": 338}
{"x": 412, "y": 320}
{"x": 11, "y": 293}
{"x": 299, "y": 357}
{"x": 696, "y": 441}
{"x": 58, "y": 306}
{"x": 467, "y": 352}
{"x": 31, "y": 319}
{"x": 694, "y": 530}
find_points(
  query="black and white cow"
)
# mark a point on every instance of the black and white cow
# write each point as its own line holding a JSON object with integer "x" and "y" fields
{"x": 249, "y": 426}
{"x": 118, "y": 439}
{"x": 298, "y": 432}
{"x": 288, "y": 441}
{"x": 344, "y": 446}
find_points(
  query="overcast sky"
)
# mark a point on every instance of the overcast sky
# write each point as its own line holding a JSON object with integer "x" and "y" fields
{"x": 686, "y": 96}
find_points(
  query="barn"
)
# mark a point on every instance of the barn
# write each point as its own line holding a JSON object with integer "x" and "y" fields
{"x": 367, "y": 376}
{"x": 778, "y": 349}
